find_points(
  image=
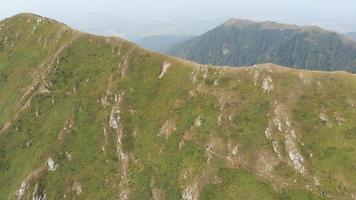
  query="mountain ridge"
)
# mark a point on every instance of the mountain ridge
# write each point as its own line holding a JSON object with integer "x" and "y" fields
{"x": 94, "y": 117}
{"x": 243, "y": 42}
{"x": 273, "y": 25}
{"x": 242, "y": 23}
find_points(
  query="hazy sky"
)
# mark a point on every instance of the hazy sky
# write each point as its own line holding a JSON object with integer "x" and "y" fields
{"x": 137, "y": 18}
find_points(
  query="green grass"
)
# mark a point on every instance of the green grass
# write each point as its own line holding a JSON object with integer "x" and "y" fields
{"x": 91, "y": 66}
{"x": 238, "y": 185}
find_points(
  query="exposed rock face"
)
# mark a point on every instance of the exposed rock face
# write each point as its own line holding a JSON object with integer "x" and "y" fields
{"x": 115, "y": 117}
{"x": 285, "y": 131}
{"x": 39, "y": 193}
{"x": 21, "y": 191}
{"x": 191, "y": 192}
{"x": 293, "y": 152}
{"x": 52, "y": 166}
{"x": 323, "y": 117}
{"x": 77, "y": 188}
{"x": 267, "y": 84}
{"x": 274, "y": 140}
{"x": 115, "y": 123}
{"x": 197, "y": 122}
{"x": 353, "y": 195}
{"x": 164, "y": 70}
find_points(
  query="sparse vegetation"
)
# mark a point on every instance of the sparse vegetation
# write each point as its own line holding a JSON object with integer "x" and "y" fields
{"x": 221, "y": 116}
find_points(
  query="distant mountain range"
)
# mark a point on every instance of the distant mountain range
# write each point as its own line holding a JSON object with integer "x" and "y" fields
{"x": 242, "y": 42}
{"x": 161, "y": 43}
{"x": 351, "y": 35}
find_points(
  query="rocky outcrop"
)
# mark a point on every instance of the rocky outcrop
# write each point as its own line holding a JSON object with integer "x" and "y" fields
{"x": 164, "y": 70}
{"x": 280, "y": 131}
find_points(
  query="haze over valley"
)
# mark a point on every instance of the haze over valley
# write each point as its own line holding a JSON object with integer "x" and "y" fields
{"x": 136, "y": 19}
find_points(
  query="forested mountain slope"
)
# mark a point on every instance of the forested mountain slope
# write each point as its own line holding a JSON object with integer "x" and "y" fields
{"x": 242, "y": 42}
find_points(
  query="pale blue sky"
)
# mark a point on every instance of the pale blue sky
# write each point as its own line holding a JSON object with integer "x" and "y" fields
{"x": 137, "y": 18}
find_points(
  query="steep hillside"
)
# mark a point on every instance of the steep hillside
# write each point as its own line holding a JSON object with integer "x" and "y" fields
{"x": 242, "y": 42}
{"x": 89, "y": 117}
{"x": 161, "y": 43}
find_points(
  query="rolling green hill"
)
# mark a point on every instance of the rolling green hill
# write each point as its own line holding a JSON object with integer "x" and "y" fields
{"x": 243, "y": 43}
{"x": 90, "y": 117}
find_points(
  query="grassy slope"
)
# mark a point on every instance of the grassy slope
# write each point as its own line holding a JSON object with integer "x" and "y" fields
{"x": 92, "y": 70}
